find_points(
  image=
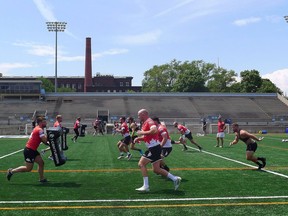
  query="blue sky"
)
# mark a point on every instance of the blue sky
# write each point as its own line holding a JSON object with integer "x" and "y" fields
{"x": 131, "y": 36}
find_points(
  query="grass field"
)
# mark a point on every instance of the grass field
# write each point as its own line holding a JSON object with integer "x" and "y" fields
{"x": 217, "y": 181}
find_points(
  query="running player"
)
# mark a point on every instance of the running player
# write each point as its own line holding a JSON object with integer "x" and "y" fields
{"x": 165, "y": 142}
{"x": 251, "y": 145}
{"x": 133, "y": 128}
{"x": 149, "y": 134}
{"x": 123, "y": 144}
{"x": 186, "y": 133}
{"x": 31, "y": 154}
{"x": 76, "y": 127}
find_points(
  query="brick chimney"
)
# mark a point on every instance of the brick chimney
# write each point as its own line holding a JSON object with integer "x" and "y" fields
{"x": 88, "y": 65}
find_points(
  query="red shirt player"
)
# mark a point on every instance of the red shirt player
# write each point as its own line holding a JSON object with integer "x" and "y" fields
{"x": 149, "y": 134}
{"x": 186, "y": 133}
{"x": 31, "y": 154}
{"x": 76, "y": 129}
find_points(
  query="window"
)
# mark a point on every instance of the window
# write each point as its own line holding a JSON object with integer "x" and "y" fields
{"x": 121, "y": 83}
{"x": 127, "y": 84}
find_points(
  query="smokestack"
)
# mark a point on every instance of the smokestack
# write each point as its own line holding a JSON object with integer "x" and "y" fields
{"x": 88, "y": 65}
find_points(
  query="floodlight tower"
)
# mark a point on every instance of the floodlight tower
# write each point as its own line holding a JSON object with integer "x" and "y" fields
{"x": 56, "y": 27}
{"x": 286, "y": 18}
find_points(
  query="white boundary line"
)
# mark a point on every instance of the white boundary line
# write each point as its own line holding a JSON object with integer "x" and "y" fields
{"x": 11, "y": 154}
{"x": 239, "y": 162}
{"x": 145, "y": 200}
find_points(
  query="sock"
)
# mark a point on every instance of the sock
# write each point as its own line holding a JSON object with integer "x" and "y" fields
{"x": 145, "y": 182}
{"x": 172, "y": 177}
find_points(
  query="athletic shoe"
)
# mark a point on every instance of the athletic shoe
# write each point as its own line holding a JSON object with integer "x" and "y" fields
{"x": 42, "y": 152}
{"x": 120, "y": 157}
{"x": 129, "y": 156}
{"x": 142, "y": 189}
{"x": 216, "y": 145}
{"x": 200, "y": 148}
{"x": 43, "y": 181}
{"x": 260, "y": 166}
{"x": 9, "y": 174}
{"x": 185, "y": 148}
{"x": 177, "y": 182}
{"x": 264, "y": 162}
{"x": 50, "y": 157}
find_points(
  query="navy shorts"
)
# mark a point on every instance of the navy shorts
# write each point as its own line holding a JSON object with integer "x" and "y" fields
{"x": 166, "y": 151}
{"x": 126, "y": 140}
{"x": 189, "y": 136}
{"x": 30, "y": 155}
{"x": 251, "y": 147}
{"x": 153, "y": 154}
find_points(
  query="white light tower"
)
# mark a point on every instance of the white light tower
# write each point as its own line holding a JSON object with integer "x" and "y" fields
{"x": 56, "y": 27}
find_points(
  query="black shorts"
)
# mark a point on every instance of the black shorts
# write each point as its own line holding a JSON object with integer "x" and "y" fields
{"x": 30, "y": 155}
{"x": 153, "y": 154}
{"x": 189, "y": 136}
{"x": 126, "y": 140}
{"x": 251, "y": 147}
{"x": 166, "y": 151}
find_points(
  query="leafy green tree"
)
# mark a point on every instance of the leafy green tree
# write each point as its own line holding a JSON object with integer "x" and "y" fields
{"x": 47, "y": 84}
{"x": 191, "y": 78}
{"x": 250, "y": 81}
{"x": 160, "y": 78}
{"x": 269, "y": 87}
{"x": 221, "y": 80}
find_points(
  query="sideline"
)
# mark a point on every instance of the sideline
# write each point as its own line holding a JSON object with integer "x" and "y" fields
{"x": 145, "y": 200}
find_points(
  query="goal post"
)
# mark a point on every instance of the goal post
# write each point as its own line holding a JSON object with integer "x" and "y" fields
{"x": 213, "y": 128}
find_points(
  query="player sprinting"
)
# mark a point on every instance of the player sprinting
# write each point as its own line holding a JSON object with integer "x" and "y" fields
{"x": 251, "y": 145}
{"x": 165, "y": 142}
{"x": 186, "y": 133}
{"x": 149, "y": 134}
{"x": 123, "y": 144}
{"x": 31, "y": 154}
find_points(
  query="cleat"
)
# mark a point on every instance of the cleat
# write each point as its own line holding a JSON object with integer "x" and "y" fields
{"x": 216, "y": 146}
{"x": 142, "y": 189}
{"x": 200, "y": 148}
{"x": 43, "y": 181}
{"x": 129, "y": 156}
{"x": 42, "y": 152}
{"x": 177, "y": 182}
{"x": 260, "y": 167}
{"x": 9, "y": 174}
{"x": 120, "y": 157}
{"x": 264, "y": 162}
{"x": 50, "y": 158}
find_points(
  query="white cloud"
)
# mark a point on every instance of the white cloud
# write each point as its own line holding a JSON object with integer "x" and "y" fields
{"x": 169, "y": 10}
{"x": 141, "y": 39}
{"x": 45, "y": 10}
{"x": 6, "y": 67}
{"x": 244, "y": 22}
{"x": 37, "y": 49}
{"x": 279, "y": 78}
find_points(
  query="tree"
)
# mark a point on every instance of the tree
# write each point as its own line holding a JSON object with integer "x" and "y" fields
{"x": 160, "y": 78}
{"x": 250, "y": 81}
{"x": 47, "y": 84}
{"x": 191, "y": 78}
{"x": 221, "y": 80}
{"x": 269, "y": 87}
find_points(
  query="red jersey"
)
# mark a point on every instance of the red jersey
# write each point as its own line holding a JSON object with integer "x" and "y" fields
{"x": 57, "y": 124}
{"x": 183, "y": 130}
{"x": 77, "y": 124}
{"x": 150, "y": 140}
{"x": 35, "y": 138}
{"x": 162, "y": 130}
{"x": 221, "y": 126}
{"x": 124, "y": 129}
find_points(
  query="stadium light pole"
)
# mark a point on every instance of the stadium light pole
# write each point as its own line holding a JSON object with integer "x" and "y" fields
{"x": 286, "y": 18}
{"x": 56, "y": 27}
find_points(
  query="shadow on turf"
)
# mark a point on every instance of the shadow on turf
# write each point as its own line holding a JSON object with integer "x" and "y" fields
{"x": 59, "y": 184}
